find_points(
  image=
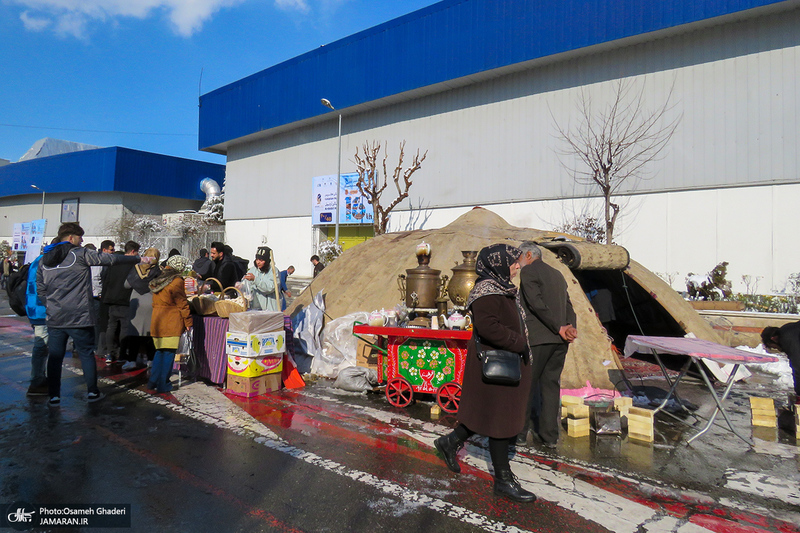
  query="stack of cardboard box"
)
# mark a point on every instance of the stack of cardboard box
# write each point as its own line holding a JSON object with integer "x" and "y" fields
{"x": 255, "y": 344}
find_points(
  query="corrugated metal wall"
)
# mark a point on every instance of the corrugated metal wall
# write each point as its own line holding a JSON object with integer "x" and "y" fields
{"x": 110, "y": 169}
{"x": 443, "y": 42}
{"x": 735, "y": 85}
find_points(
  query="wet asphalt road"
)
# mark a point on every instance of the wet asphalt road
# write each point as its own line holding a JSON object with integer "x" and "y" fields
{"x": 318, "y": 459}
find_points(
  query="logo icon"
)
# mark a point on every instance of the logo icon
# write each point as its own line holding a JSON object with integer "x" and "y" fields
{"x": 20, "y": 515}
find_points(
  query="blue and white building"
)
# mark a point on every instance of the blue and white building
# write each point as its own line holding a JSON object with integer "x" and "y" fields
{"x": 96, "y": 186}
{"x": 481, "y": 85}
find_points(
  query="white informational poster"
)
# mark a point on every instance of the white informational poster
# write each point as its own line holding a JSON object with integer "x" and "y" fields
{"x": 16, "y": 241}
{"x": 35, "y": 240}
{"x": 353, "y": 207}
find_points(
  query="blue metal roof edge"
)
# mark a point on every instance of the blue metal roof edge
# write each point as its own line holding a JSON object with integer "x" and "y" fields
{"x": 113, "y": 169}
{"x": 438, "y": 43}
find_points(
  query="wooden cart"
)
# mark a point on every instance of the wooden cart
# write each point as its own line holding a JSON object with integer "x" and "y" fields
{"x": 422, "y": 361}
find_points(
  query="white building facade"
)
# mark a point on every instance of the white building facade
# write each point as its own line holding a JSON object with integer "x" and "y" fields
{"x": 725, "y": 188}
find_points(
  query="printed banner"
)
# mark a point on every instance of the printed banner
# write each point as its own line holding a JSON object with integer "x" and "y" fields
{"x": 353, "y": 206}
{"x": 35, "y": 240}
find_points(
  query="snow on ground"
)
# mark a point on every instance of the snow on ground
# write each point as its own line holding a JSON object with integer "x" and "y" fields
{"x": 781, "y": 369}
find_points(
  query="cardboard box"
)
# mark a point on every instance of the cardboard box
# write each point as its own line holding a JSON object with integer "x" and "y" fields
{"x": 256, "y": 322}
{"x": 255, "y": 344}
{"x": 366, "y": 355}
{"x": 252, "y": 387}
{"x": 251, "y": 367}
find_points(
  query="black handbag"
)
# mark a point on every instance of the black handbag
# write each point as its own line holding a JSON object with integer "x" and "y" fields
{"x": 500, "y": 367}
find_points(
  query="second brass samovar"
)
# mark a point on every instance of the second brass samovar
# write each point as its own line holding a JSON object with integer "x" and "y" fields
{"x": 464, "y": 277}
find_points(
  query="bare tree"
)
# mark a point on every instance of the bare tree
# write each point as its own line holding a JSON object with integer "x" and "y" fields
{"x": 372, "y": 187}
{"x": 614, "y": 144}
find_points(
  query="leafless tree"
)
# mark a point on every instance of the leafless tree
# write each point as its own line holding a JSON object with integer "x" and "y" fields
{"x": 370, "y": 184}
{"x": 613, "y": 145}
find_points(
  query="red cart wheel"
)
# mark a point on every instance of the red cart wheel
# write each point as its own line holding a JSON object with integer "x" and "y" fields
{"x": 448, "y": 397}
{"x": 399, "y": 392}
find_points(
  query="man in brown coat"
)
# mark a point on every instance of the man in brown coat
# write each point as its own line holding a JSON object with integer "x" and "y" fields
{"x": 551, "y": 327}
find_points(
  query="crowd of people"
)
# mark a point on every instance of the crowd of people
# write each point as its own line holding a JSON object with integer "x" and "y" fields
{"x": 126, "y": 307}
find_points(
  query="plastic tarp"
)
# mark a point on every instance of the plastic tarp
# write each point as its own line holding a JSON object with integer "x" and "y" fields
{"x": 307, "y": 326}
{"x": 356, "y": 379}
{"x": 338, "y": 346}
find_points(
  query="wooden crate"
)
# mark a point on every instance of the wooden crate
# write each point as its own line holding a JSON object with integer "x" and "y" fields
{"x": 623, "y": 402}
{"x": 571, "y": 400}
{"x": 578, "y": 427}
{"x": 638, "y": 411}
{"x": 577, "y": 411}
{"x": 763, "y": 412}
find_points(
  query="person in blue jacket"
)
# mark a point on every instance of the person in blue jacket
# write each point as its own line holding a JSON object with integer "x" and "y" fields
{"x": 37, "y": 316}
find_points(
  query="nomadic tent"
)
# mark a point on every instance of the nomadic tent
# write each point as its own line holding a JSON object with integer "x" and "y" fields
{"x": 603, "y": 285}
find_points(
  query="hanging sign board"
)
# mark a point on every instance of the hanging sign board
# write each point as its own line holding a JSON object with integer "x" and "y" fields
{"x": 353, "y": 206}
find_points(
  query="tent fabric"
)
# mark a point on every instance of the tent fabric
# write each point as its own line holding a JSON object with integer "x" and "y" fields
{"x": 364, "y": 278}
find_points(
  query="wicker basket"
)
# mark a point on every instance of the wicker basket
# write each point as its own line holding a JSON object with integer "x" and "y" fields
{"x": 225, "y": 307}
{"x": 203, "y": 304}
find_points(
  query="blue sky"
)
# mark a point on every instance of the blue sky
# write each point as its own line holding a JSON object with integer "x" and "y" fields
{"x": 128, "y": 72}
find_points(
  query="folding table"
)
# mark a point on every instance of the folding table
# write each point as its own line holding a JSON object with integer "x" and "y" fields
{"x": 696, "y": 349}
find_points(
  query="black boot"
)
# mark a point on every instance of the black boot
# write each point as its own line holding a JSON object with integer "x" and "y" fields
{"x": 448, "y": 446}
{"x": 505, "y": 484}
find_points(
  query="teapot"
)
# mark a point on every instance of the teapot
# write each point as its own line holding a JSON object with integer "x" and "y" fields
{"x": 458, "y": 321}
{"x": 377, "y": 319}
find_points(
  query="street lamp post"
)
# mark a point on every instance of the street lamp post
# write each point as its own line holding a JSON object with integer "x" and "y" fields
{"x": 327, "y": 103}
{"x": 38, "y": 189}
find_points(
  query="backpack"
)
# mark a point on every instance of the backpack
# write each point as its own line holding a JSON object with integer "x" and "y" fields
{"x": 17, "y": 289}
{"x": 241, "y": 265}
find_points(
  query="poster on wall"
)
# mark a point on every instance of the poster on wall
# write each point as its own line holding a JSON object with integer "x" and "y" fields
{"x": 35, "y": 240}
{"x": 353, "y": 206}
{"x": 69, "y": 210}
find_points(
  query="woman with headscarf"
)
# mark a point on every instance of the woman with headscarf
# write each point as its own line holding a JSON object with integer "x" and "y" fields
{"x": 139, "y": 345}
{"x": 262, "y": 282}
{"x": 495, "y": 411}
{"x": 171, "y": 317}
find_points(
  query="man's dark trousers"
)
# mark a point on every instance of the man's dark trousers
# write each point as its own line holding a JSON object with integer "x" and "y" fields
{"x": 548, "y": 362}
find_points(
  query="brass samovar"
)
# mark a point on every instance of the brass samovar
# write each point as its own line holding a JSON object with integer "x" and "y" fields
{"x": 464, "y": 277}
{"x": 421, "y": 286}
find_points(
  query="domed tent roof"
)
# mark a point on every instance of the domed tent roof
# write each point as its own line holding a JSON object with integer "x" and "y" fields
{"x": 364, "y": 278}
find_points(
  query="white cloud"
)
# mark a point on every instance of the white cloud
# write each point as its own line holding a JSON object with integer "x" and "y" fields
{"x": 73, "y": 16}
{"x": 34, "y": 23}
{"x": 300, "y": 5}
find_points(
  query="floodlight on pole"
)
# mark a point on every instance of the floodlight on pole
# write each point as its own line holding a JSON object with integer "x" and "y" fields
{"x": 38, "y": 189}
{"x": 327, "y": 103}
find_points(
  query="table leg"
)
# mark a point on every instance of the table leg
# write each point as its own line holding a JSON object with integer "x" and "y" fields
{"x": 674, "y": 385}
{"x": 718, "y": 401}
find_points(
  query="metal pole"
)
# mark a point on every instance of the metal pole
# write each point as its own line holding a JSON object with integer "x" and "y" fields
{"x": 338, "y": 180}
{"x": 42, "y": 205}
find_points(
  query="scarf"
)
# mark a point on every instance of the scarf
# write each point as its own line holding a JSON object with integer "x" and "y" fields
{"x": 494, "y": 276}
{"x": 142, "y": 269}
